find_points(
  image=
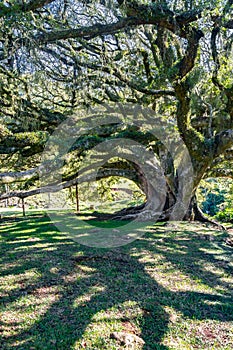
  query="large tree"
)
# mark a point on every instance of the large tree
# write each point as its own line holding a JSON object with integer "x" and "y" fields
{"x": 174, "y": 57}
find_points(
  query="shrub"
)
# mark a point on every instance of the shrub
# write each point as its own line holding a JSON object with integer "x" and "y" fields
{"x": 225, "y": 216}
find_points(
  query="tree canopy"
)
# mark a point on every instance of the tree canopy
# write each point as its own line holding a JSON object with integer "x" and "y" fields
{"x": 174, "y": 57}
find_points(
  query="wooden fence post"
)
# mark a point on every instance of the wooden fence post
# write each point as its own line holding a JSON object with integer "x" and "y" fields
{"x": 23, "y": 207}
{"x": 77, "y": 197}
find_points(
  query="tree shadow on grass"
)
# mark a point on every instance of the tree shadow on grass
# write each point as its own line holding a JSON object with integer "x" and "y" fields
{"x": 67, "y": 296}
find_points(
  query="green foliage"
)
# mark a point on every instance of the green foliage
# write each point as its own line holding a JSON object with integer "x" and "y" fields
{"x": 213, "y": 201}
{"x": 225, "y": 215}
{"x": 104, "y": 188}
{"x": 216, "y": 196}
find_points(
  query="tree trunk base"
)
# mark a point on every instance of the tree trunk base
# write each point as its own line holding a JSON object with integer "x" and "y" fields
{"x": 198, "y": 215}
{"x": 144, "y": 212}
{"x": 141, "y": 213}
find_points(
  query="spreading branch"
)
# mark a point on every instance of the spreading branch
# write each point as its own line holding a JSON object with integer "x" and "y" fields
{"x": 143, "y": 14}
{"x": 19, "y": 176}
{"x": 52, "y": 188}
{"x": 32, "y": 5}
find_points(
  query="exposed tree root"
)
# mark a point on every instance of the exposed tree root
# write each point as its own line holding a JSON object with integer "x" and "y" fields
{"x": 200, "y": 216}
{"x": 144, "y": 212}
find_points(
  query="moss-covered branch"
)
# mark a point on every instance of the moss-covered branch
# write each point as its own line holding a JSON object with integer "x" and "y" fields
{"x": 102, "y": 173}
{"x": 19, "y": 176}
{"x": 27, "y": 143}
{"x": 23, "y": 7}
{"x": 136, "y": 15}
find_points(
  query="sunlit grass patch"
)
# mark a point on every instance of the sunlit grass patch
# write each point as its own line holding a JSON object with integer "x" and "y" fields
{"x": 172, "y": 287}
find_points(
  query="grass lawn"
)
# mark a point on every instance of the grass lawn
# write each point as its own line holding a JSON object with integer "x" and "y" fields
{"x": 172, "y": 287}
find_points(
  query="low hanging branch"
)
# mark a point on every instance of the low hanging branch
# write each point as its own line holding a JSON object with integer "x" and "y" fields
{"x": 21, "y": 176}
{"x": 102, "y": 173}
